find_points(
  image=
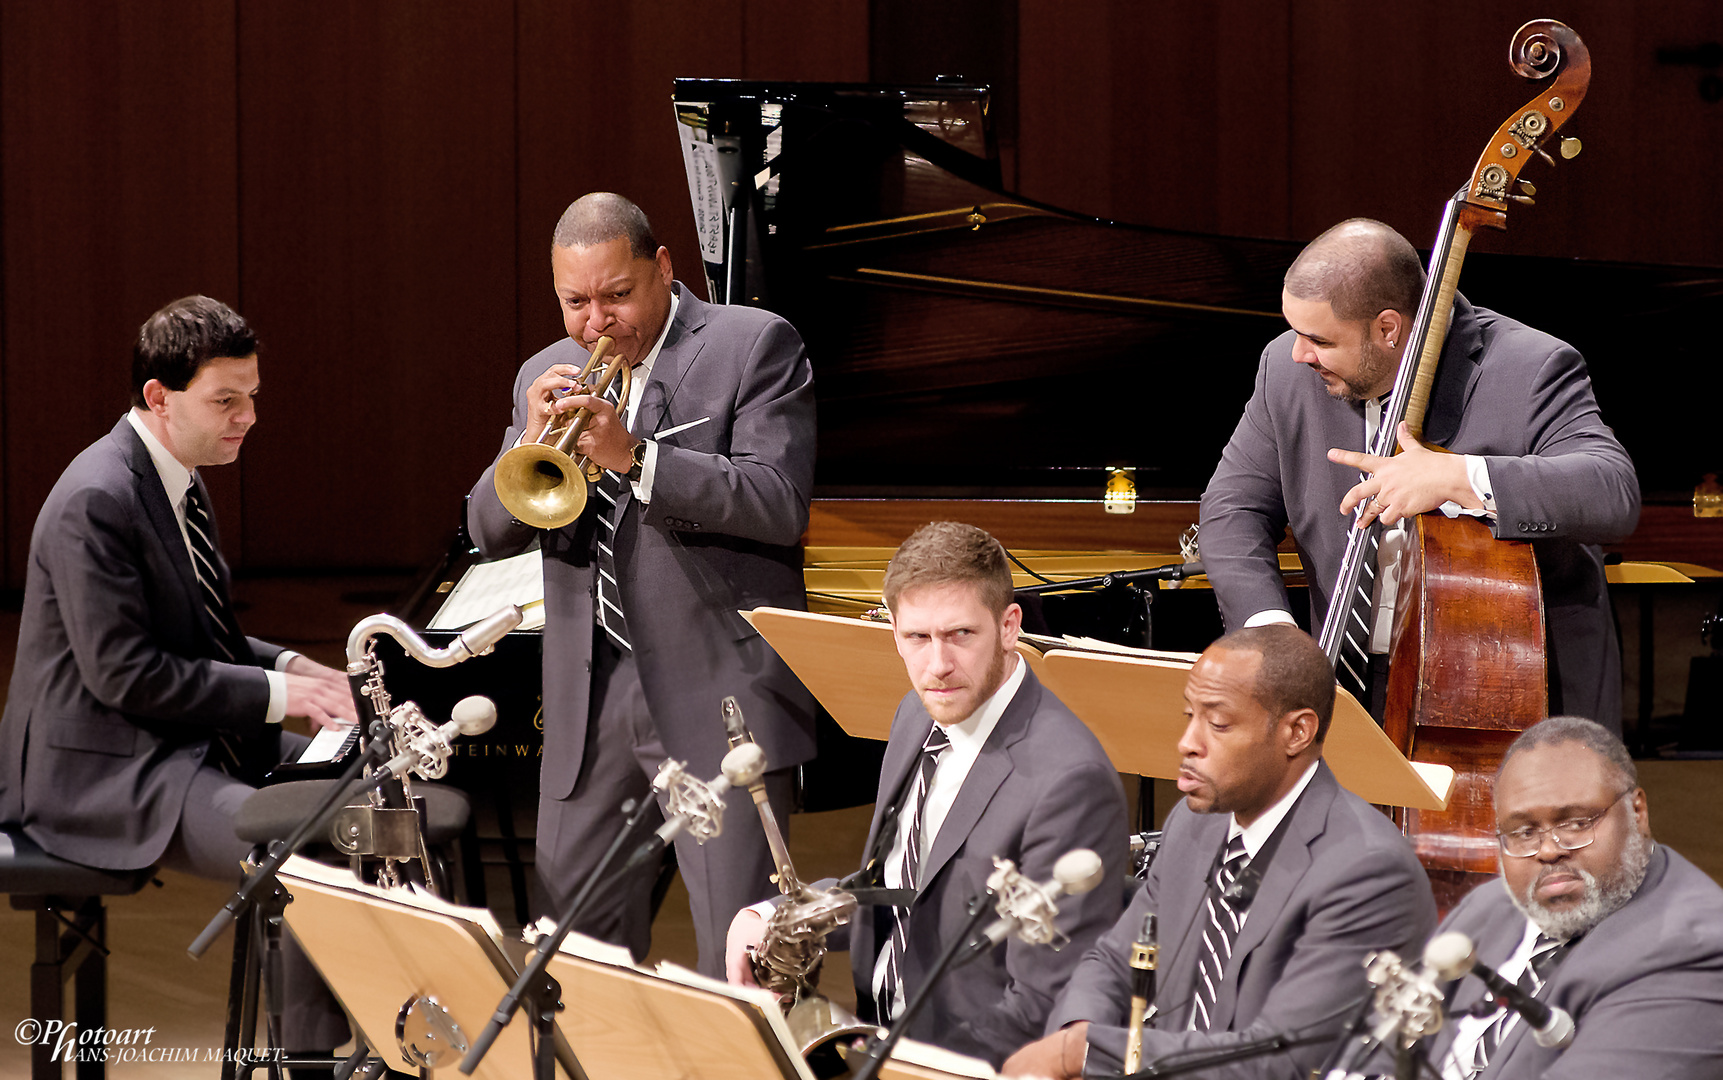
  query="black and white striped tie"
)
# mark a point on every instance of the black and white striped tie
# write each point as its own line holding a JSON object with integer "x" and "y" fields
{"x": 1546, "y": 954}
{"x": 932, "y": 749}
{"x": 609, "y": 490}
{"x": 200, "y": 533}
{"x": 1221, "y": 923}
{"x": 1353, "y": 669}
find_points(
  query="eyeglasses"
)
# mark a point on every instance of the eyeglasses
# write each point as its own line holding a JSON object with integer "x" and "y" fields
{"x": 1570, "y": 835}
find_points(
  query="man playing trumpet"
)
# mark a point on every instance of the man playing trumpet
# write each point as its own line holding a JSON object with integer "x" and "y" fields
{"x": 699, "y": 512}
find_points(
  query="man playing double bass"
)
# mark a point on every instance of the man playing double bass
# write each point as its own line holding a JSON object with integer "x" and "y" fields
{"x": 1529, "y": 453}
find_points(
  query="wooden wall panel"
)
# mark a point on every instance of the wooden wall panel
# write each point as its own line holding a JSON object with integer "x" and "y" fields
{"x": 117, "y": 195}
{"x": 1158, "y": 115}
{"x": 1259, "y": 117}
{"x": 378, "y": 192}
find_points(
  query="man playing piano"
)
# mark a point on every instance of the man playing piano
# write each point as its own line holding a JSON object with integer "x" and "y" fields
{"x": 699, "y": 514}
{"x": 140, "y": 717}
{"x": 1529, "y": 452}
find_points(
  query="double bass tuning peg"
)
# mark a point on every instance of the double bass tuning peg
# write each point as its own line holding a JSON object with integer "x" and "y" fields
{"x": 1529, "y": 190}
{"x": 1570, "y": 147}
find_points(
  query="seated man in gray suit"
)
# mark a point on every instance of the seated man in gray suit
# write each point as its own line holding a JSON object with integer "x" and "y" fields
{"x": 1529, "y": 452}
{"x": 1594, "y": 917}
{"x": 139, "y": 716}
{"x": 699, "y": 513}
{"x": 983, "y": 761}
{"x": 1271, "y": 883}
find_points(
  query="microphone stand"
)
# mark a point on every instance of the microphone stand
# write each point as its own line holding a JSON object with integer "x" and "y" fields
{"x": 1272, "y": 1044}
{"x": 877, "y": 1048}
{"x": 279, "y": 851}
{"x": 541, "y": 992}
{"x": 1169, "y": 572}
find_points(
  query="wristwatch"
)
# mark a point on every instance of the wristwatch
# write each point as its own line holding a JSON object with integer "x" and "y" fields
{"x": 639, "y": 455}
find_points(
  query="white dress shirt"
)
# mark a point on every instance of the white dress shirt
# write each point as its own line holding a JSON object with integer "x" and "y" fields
{"x": 967, "y": 739}
{"x": 1458, "y": 1064}
{"x": 176, "y": 479}
{"x": 1257, "y": 832}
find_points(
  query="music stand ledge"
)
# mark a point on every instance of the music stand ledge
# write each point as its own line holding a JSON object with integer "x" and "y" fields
{"x": 1134, "y": 705}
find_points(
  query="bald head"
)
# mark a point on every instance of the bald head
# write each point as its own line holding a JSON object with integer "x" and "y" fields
{"x": 1360, "y": 268}
{"x": 601, "y": 217}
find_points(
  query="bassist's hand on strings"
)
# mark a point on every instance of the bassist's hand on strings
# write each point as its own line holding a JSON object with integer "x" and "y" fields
{"x": 1414, "y": 481}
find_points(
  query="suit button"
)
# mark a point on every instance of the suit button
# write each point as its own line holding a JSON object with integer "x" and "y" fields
{"x": 694, "y": 525}
{"x": 1524, "y": 527}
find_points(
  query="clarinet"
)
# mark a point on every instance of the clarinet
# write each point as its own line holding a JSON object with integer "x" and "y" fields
{"x": 1145, "y": 957}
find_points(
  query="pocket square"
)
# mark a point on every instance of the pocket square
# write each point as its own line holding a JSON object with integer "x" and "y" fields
{"x": 681, "y": 427}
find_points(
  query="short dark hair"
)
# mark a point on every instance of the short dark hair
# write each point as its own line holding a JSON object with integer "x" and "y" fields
{"x": 1295, "y": 672}
{"x": 600, "y": 217}
{"x": 945, "y": 552}
{"x": 1361, "y": 268}
{"x": 177, "y": 341}
{"x": 1560, "y": 730}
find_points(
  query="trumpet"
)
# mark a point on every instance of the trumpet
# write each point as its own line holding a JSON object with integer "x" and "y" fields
{"x": 542, "y": 483}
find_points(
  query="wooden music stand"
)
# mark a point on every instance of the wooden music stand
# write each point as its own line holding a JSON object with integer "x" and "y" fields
{"x": 1133, "y": 704}
{"x": 380, "y": 949}
{"x": 671, "y": 1023}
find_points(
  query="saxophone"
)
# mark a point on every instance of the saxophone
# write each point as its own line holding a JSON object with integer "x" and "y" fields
{"x": 789, "y": 957}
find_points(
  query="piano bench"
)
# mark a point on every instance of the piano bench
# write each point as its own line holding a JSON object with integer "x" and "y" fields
{"x": 71, "y": 940}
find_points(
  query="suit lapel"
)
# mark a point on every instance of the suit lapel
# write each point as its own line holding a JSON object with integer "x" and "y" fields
{"x": 1180, "y": 895}
{"x": 160, "y": 513}
{"x": 1305, "y": 822}
{"x": 1456, "y": 377}
{"x": 900, "y": 757}
{"x": 681, "y": 346}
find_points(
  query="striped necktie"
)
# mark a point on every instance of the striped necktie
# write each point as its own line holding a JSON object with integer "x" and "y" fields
{"x": 224, "y": 628}
{"x": 1547, "y": 952}
{"x": 1221, "y": 923}
{"x": 932, "y": 749}
{"x": 609, "y": 488}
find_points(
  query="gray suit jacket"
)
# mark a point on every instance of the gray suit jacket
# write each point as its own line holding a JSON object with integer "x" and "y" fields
{"x": 117, "y": 689}
{"x": 722, "y": 533}
{"x": 1343, "y": 882}
{"x": 1645, "y": 987}
{"x": 1041, "y": 786}
{"x": 1513, "y": 394}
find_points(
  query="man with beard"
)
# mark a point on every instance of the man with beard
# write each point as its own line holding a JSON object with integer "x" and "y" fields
{"x": 1528, "y": 452}
{"x": 1271, "y": 884}
{"x": 983, "y": 761}
{"x": 1621, "y": 932}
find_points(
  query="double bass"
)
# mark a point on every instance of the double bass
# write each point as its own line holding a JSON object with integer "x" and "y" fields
{"x": 1467, "y": 665}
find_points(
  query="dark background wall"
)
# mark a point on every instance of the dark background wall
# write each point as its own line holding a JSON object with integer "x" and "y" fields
{"x": 373, "y": 185}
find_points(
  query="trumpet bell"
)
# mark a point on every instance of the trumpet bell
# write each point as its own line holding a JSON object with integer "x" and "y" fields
{"x": 540, "y": 485}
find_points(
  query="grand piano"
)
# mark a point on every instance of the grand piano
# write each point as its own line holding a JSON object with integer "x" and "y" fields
{"x": 986, "y": 357}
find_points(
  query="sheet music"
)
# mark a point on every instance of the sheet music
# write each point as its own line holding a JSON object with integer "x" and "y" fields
{"x": 487, "y": 587}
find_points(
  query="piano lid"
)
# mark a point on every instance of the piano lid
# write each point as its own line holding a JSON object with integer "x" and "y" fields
{"x": 969, "y": 342}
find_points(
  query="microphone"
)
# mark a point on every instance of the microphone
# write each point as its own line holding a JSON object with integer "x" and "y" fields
{"x": 1027, "y": 908}
{"x": 1454, "y": 956}
{"x": 427, "y": 748}
{"x": 697, "y": 805}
